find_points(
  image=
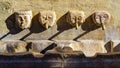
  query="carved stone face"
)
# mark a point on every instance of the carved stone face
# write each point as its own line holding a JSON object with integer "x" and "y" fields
{"x": 100, "y": 18}
{"x": 23, "y": 19}
{"x": 47, "y": 18}
{"x": 75, "y": 18}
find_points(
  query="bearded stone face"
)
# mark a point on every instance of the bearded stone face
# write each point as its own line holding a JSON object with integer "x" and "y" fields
{"x": 23, "y": 19}
{"x": 100, "y": 18}
{"x": 75, "y": 18}
{"x": 47, "y": 18}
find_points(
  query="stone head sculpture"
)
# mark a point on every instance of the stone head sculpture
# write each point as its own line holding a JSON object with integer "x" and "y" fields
{"x": 23, "y": 19}
{"x": 47, "y": 18}
{"x": 75, "y": 18}
{"x": 100, "y": 18}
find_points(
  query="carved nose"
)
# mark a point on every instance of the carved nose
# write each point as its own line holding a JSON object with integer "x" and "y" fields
{"x": 46, "y": 18}
{"x": 76, "y": 19}
{"x": 76, "y": 22}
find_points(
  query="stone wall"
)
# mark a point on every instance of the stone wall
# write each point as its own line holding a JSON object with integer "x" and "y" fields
{"x": 59, "y": 31}
{"x": 60, "y": 45}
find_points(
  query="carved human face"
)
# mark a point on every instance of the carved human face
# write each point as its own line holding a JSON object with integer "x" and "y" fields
{"x": 100, "y": 18}
{"x": 75, "y": 18}
{"x": 23, "y": 19}
{"x": 47, "y": 18}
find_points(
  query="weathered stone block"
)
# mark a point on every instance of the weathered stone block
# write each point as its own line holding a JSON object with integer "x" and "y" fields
{"x": 12, "y": 46}
{"x": 91, "y": 47}
{"x": 64, "y": 46}
{"x": 15, "y": 46}
{"x": 39, "y": 47}
{"x": 3, "y": 47}
{"x": 87, "y": 47}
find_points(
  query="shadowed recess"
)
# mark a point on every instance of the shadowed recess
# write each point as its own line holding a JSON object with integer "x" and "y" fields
{"x": 35, "y": 27}
{"x": 117, "y": 48}
{"x": 4, "y": 36}
{"x": 55, "y": 35}
{"x": 29, "y": 46}
{"x": 48, "y": 48}
{"x": 52, "y": 60}
{"x": 87, "y": 26}
{"x": 109, "y": 47}
{"x": 62, "y": 25}
{"x": 10, "y": 23}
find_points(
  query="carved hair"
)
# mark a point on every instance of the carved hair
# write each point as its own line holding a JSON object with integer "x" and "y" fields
{"x": 24, "y": 12}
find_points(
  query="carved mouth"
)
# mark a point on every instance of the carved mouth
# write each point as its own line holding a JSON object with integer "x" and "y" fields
{"x": 102, "y": 24}
{"x": 76, "y": 25}
{"x": 46, "y": 25}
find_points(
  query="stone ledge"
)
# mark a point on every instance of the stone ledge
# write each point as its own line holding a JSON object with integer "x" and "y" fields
{"x": 38, "y": 48}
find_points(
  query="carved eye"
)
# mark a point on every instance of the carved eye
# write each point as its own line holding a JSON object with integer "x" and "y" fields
{"x": 97, "y": 16}
{"x": 79, "y": 18}
{"x": 50, "y": 17}
{"x": 105, "y": 16}
{"x": 20, "y": 18}
{"x": 43, "y": 16}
